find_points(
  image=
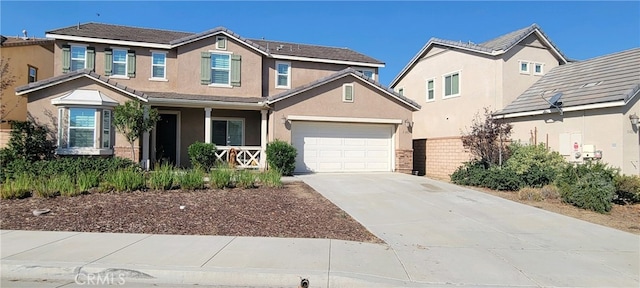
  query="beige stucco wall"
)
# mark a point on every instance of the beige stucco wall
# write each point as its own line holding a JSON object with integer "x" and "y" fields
{"x": 515, "y": 83}
{"x": 609, "y": 129}
{"x": 327, "y": 101}
{"x": 45, "y": 113}
{"x": 19, "y": 57}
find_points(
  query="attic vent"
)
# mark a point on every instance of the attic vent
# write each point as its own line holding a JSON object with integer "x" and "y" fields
{"x": 591, "y": 84}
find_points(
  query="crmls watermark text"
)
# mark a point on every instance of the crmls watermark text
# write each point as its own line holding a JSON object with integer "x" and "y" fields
{"x": 103, "y": 278}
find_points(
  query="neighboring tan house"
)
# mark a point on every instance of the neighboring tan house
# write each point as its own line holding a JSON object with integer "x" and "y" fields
{"x": 584, "y": 110}
{"x": 218, "y": 87}
{"x": 454, "y": 81}
{"x": 29, "y": 60}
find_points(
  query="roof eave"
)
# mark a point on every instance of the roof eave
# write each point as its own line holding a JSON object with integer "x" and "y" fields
{"x": 601, "y": 105}
{"x": 108, "y": 41}
{"x": 323, "y": 60}
{"x": 199, "y": 103}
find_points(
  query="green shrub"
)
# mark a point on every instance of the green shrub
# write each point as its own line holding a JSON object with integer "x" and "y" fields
{"x": 221, "y": 177}
{"x": 125, "y": 180}
{"x": 627, "y": 189}
{"x": 64, "y": 185}
{"x": 202, "y": 155}
{"x": 470, "y": 174}
{"x": 588, "y": 186}
{"x": 270, "y": 178}
{"x": 245, "y": 179}
{"x": 66, "y": 165}
{"x": 162, "y": 177}
{"x": 42, "y": 188}
{"x": 530, "y": 194}
{"x": 536, "y": 165}
{"x": 502, "y": 178}
{"x": 87, "y": 180}
{"x": 17, "y": 188}
{"x": 550, "y": 192}
{"x": 191, "y": 179}
{"x": 29, "y": 141}
{"x": 282, "y": 157}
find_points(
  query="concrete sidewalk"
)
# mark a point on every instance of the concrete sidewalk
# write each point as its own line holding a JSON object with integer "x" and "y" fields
{"x": 80, "y": 258}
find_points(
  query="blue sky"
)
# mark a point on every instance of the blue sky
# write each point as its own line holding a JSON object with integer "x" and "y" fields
{"x": 389, "y": 31}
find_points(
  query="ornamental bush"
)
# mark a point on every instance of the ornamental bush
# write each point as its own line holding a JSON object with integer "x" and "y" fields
{"x": 282, "y": 157}
{"x": 534, "y": 163}
{"x": 627, "y": 189}
{"x": 588, "y": 186}
{"x": 202, "y": 155}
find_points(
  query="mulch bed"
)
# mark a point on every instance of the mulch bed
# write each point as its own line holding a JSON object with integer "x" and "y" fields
{"x": 296, "y": 210}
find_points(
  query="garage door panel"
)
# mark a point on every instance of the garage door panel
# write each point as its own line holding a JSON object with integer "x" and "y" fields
{"x": 341, "y": 147}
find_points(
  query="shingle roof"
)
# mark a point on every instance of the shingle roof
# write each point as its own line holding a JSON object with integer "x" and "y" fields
{"x": 496, "y": 46}
{"x": 171, "y": 95}
{"x": 314, "y": 51}
{"x": 73, "y": 75}
{"x": 8, "y": 41}
{"x": 609, "y": 78}
{"x": 124, "y": 33}
{"x": 175, "y": 38}
{"x": 337, "y": 75}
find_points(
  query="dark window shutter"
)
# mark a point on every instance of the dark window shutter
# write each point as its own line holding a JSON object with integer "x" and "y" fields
{"x": 91, "y": 58}
{"x": 131, "y": 63}
{"x": 205, "y": 68}
{"x": 66, "y": 58}
{"x": 108, "y": 62}
{"x": 235, "y": 70}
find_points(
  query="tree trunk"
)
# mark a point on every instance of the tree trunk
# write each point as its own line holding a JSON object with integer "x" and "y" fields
{"x": 133, "y": 153}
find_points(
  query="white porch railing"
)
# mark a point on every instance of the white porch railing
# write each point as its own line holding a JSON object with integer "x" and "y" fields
{"x": 246, "y": 156}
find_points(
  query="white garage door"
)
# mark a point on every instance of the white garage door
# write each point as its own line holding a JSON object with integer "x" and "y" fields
{"x": 341, "y": 147}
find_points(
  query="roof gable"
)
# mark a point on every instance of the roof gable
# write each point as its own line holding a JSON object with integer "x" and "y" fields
{"x": 613, "y": 78}
{"x": 346, "y": 72}
{"x": 43, "y": 84}
{"x": 493, "y": 47}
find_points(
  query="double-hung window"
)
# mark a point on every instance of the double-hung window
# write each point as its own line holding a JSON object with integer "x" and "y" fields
{"x": 430, "y": 90}
{"x": 82, "y": 127}
{"x": 283, "y": 74}
{"x": 78, "y": 57}
{"x": 452, "y": 85}
{"x": 524, "y": 67}
{"x": 119, "y": 62}
{"x": 106, "y": 128}
{"x": 537, "y": 69}
{"x": 228, "y": 132}
{"x": 33, "y": 74}
{"x": 220, "y": 69}
{"x": 158, "y": 65}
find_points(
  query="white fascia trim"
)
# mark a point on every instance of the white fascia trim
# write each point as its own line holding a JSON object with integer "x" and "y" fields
{"x": 46, "y": 86}
{"x": 205, "y": 103}
{"x": 568, "y": 109}
{"x": 297, "y": 58}
{"x": 109, "y": 41}
{"x": 343, "y": 119}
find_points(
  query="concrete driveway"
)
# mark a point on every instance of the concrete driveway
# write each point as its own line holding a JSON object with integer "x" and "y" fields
{"x": 445, "y": 234}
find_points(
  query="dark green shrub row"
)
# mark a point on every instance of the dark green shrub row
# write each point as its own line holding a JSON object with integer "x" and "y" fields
{"x": 497, "y": 178}
{"x": 71, "y": 166}
{"x": 588, "y": 186}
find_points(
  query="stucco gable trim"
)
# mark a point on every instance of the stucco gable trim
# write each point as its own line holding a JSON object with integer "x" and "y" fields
{"x": 344, "y": 119}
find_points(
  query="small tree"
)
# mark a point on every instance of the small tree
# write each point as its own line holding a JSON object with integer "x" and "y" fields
{"x": 130, "y": 120}
{"x": 486, "y": 139}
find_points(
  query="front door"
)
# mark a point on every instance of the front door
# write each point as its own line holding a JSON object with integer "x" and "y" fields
{"x": 166, "y": 132}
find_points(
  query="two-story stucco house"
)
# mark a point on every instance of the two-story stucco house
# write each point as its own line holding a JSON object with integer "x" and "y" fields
{"x": 28, "y": 60}
{"x": 218, "y": 87}
{"x": 454, "y": 81}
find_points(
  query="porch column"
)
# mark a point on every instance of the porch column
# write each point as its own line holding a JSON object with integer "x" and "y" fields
{"x": 145, "y": 143}
{"x": 207, "y": 125}
{"x": 263, "y": 139}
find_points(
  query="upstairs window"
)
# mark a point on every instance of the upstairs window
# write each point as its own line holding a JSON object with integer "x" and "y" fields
{"x": 347, "y": 93}
{"x": 283, "y": 74}
{"x": 78, "y": 57}
{"x": 430, "y": 90}
{"x": 452, "y": 85}
{"x": 220, "y": 69}
{"x": 119, "y": 63}
{"x": 221, "y": 43}
{"x": 33, "y": 74}
{"x": 524, "y": 67}
{"x": 366, "y": 72}
{"x": 158, "y": 65}
{"x": 537, "y": 69}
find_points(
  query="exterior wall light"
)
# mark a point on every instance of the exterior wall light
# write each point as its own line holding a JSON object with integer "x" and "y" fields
{"x": 634, "y": 119}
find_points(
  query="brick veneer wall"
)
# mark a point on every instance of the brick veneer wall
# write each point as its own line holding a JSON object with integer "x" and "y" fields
{"x": 444, "y": 156}
{"x": 125, "y": 152}
{"x": 404, "y": 161}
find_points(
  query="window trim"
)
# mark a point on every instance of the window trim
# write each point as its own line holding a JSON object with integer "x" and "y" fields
{"x": 152, "y": 78}
{"x": 444, "y": 85}
{"x": 528, "y": 71}
{"x": 432, "y": 80}
{"x": 109, "y": 128}
{"x": 288, "y": 86}
{"x": 218, "y": 38}
{"x": 344, "y": 93}
{"x": 228, "y": 85}
{"x": 541, "y": 69}
{"x": 35, "y": 77}
{"x": 65, "y": 110}
{"x": 244, "y": 128}
{"x": 71, "y": 55}
{"x": 113, "y": 62}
